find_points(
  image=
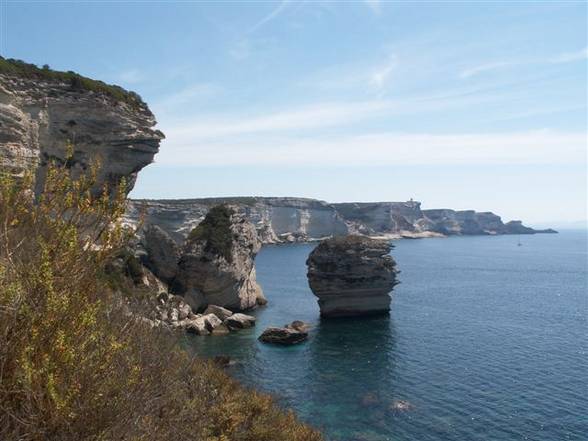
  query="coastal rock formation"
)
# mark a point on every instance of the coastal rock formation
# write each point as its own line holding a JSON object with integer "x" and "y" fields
{"x": 352, "y": 276}
{"x": 276, "y": 220}
{"x": 239, "y": 321}
{"x": 217, "y": 263}
{"x": 294, "y": 333}
{"x": 163, "y": 253}
{"x": 283, "y": 336}
{"x": 41, "y": 111}
{"x": 283, "y": 220}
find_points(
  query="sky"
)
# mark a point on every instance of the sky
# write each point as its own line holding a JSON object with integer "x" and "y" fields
{"x": 464, "y": 105}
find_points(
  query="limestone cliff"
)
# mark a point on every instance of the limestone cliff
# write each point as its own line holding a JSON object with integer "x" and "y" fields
{"x": 279, "y": 220}
{"x": 216, "y": 266}
{"x": 41, "y": 111}
{"x": 276, "y": 219}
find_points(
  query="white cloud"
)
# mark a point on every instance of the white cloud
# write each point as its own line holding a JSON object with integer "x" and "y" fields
{"x": 381, "y": 75}
{"x": 533, "y": 147}
{"x": 567, "y": 57}
{"x": 485, "y": 68}
{"x": 317, "y": 116}
{"x": 374, "y": 5}
{"x": 178, "y": 101}
{"x": 272, "y": 15}
{"x": 571, "y": 56}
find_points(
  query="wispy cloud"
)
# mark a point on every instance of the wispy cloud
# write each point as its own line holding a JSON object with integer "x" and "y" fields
{"x": 374, "y": 5}
{"x": 380, "y": 76}
{"x": 566, "y": 57}
{"x": 269, "y": 17}
{"x": 178, "y": 101}
{"x": 571, "y": 56}
{"x": 533, "y": 147}
{"x": 317, "y": 116}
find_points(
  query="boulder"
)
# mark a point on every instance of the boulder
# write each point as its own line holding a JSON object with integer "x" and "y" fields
{"x": 239, "y": 321}
{"x": 197, "y": 326}
{"x": 220, "y": 330}
{"x": 352, "y": 276}
{"x": 283, "y": 336}
{"x": 219, "y": 311}
{"x": 217, "y": 263}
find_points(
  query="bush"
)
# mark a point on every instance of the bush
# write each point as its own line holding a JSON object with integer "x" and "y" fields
{"x": 9, "y": 66}
{"x": 215, "y": 230}
{"x": 75, "y": 363}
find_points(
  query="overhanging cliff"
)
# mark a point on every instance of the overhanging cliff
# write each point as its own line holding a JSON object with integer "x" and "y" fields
{"x": 42, "y": 111}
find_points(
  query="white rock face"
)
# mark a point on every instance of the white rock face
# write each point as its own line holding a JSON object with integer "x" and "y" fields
{"x": 38, "y": 117}
{"x": 212, "y": 274}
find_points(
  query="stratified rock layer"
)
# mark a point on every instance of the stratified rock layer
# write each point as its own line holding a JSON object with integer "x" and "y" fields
{"x": 40, "y": 116}
{"x": 217, "y": 263}
{"x": 352, "y": 276}
{"x": 283, "y": 220}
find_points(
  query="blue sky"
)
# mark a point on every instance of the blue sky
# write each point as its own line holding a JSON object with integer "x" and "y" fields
{"x": 463, "y": 105}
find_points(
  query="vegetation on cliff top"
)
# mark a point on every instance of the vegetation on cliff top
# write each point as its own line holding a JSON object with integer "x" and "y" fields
{"x": 75, "y": 363}
{"x": 215, "y": 229}
{"x": 10, "y": 66}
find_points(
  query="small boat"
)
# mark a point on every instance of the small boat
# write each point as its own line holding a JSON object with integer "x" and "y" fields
{"x": 519, "y": 244}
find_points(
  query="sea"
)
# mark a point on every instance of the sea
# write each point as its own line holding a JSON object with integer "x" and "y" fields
{"x": 486, "y": 340}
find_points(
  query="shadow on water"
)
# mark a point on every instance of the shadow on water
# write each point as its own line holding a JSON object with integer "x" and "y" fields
{"x": 360, "y": 349}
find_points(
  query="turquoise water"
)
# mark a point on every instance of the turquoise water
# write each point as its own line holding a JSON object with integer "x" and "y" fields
{"x": 486, "y": 341}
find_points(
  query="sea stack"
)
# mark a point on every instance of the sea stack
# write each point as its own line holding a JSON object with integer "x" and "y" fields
{"x": 352, "y": 276}
{"x": 217, "y": 263}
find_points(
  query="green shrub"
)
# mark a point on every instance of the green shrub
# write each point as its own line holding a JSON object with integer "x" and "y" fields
{"x": 75, "y": 363}
{"x": 215, "y": 230}
{"x": 76, "y": 81}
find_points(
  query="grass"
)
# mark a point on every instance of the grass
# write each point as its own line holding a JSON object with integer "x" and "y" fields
{"x": 76, "y": 363}
{"x": 215, "y": 230}
{"x": 12, "y": 67}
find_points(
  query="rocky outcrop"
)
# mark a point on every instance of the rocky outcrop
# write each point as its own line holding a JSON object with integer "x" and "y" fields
{"x": 283, "y": 220}
{"x": 162, "y": 253}
{"x": 41, "y": 111}
{"x": 352, "y": 276}
{"x": 294, "y": 333}
{"x": 276, "y": 220}
{"x": 217, "y": 263}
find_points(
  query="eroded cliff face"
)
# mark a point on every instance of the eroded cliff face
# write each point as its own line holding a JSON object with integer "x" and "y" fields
{"x": 279, "y": 220}
{"x": 40, "y": 116}
{"x": 276, "y": 220}
{"x": 352, "y": 276}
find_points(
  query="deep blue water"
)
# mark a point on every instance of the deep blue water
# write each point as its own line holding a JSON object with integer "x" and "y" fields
{"x": 486, "y": 340}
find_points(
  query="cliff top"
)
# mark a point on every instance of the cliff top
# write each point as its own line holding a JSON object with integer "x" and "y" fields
{"x": 17, "y": 68}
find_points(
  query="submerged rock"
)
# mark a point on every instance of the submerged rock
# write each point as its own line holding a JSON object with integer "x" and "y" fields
{"x": 352, "y": 276}
{"x": 217, "y": 265}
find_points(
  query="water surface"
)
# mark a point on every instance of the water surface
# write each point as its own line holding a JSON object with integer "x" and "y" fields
{"x": 486, "y": 341}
